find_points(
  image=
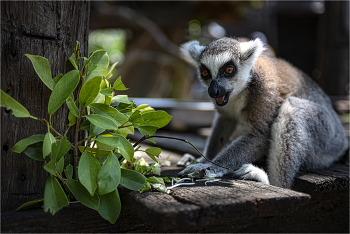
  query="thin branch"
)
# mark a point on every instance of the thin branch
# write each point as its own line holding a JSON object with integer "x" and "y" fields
{"x": 146, "y": 136}
{"x": 143, "y": 22}
{"x": 44, "y": 121}
{"x": 82, "y": 141}
{"x": 76, "y": 141}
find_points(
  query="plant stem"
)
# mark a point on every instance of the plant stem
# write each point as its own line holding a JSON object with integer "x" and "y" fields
{"x": 125, "y": 126}
{"x": 60, "y": 177}
{"x": 76, "y": 141}
{"x": 146, "y": 136}
{"x": 82, "y": 141}
{"x": 44, "y": 121}
{"x": 89, "y": 140}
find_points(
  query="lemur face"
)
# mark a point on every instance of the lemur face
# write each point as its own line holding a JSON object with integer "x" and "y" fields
{"x": 223, "y": 65}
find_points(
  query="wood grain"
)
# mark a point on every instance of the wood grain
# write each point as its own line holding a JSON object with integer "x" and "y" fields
{"x": 49, "y": 29}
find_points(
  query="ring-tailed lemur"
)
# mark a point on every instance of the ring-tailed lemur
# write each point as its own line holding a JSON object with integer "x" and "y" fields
{"x": 284, "y": 113}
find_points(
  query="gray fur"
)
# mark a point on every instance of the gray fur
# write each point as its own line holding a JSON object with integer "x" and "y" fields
{"x": 284, "y": 114}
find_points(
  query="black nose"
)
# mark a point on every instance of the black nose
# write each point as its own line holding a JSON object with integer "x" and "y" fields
{"x": 215, "y": 90}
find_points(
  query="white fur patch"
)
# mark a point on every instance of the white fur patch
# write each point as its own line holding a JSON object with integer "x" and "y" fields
{"x": 192, "y": 50}
{"x": 215, "y": 62}
{"x": 257, "y": 46}
{"x": 250, "y": 172}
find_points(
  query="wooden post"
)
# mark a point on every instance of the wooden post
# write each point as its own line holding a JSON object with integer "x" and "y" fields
{"x": 49, "y": 29}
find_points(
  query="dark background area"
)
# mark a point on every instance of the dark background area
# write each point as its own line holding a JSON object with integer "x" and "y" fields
{"x": 312, "y": 35}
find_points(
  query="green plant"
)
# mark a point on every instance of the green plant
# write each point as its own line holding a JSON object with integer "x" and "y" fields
{"x": 87, "y": 169}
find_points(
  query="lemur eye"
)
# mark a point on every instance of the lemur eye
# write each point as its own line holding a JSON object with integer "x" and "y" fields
{"x": 205, "y": 73}
{"x": 229, "y": 69}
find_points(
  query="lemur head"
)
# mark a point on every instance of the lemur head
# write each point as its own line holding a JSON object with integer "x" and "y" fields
{"x": 224, "y": 65}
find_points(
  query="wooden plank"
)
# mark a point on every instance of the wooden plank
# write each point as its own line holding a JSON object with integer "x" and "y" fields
{"x": 75, "y": 218}
{"x": 199, "y": 205}
{"x": 335, "y": 177}
{"x": 161, "y": 210}
{"x": 241, "y": 206}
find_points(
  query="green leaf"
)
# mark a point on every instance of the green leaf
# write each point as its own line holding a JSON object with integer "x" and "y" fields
{"x": 59, "y": 165}
{"x": 107, "y": 92}
{"x": 62, "y": 90}
{"x": 112, "y": 141}
{"x": 102, "y": 146}
{"x": 142, "y": 106}
{"x": 72, "y": 119}
{"x": 80, "y": 192}
{"x": 89, "y": 91}
{"x": 125, "y": 148}
{"x": 57, "y": 78}
{"x": 86, "y": 61}
{"x": 108, "y": 177}
{"x": 54, "y": 196}
{"x": 111, "y": 68}
{"x": 60, "y": 148}
{"x": 109, "y": 111}
{"x": 23, "y": 144}
{"x": 122, "y": 99}
{"x": 85, "y": 126}
{"x": 102, "y": 121}
{"x": 125, "y": 108}
{"x": 11, "y": 104}
{"x": 146, "y": 188}
{"x": 110, "y": 206}
{"x": 99, "y": 63}
{"x": 108, "y": 100}
{"x": 157, "y": 119}
{"x": 50, "y": 167}
{"x": 155, "y": 180}
{"x": 118, "y": 84}
{"x": 136, "y": 117}
{"x": 72, "y": 107}
{"x": 35, "y": 151}
{"x": 72, "y": 61}
{"x": 100, "y": 98}
{"x": 96, "y": 152}
{"x": 42, "y": 67}
{"x": 132, "y": 180}
{"x": 94, "y": 130}
{"x": 30, "y": 203}
{"x": 126, "y": 130}
{"x": 48, "y": 141}
{"x": 148, "y": 130}
{"x": 69, "y": 171}
{"x": 88, "y": 170}
{"x": 153, "y": 152}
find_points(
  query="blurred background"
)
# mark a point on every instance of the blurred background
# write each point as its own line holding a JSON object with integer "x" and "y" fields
{"x": 144, "y": 37}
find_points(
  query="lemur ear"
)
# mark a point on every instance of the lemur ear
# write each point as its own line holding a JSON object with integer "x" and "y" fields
{"x": 192, "y": 50}
{"x": 251, "y": 50}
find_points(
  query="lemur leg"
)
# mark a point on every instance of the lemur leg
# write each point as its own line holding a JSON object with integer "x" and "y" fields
{"x": 304, "y": 134}
{"x": 245, "y": 149}
{"x": 222, "y": 129}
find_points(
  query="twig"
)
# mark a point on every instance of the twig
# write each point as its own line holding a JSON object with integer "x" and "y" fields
{"x": 142, "y": 21}
{"x": 76, "y": 141}
{"x": 44, "y": 121}
{"x": 146, "y": 136}
{"x": 82, "y": 141}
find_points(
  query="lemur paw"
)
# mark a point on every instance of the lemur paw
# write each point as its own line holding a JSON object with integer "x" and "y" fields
{"x": 219, "y": 172}
{"x": 192, "y": 168}
{"x": 250, "y": 172}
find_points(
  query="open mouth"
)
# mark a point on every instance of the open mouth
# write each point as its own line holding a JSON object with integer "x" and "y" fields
{"x": 223, "y": 100}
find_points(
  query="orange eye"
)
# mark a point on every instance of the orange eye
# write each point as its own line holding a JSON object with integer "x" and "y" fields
{"x": 229, "y": 70}
{"x": 205, "y": 73}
